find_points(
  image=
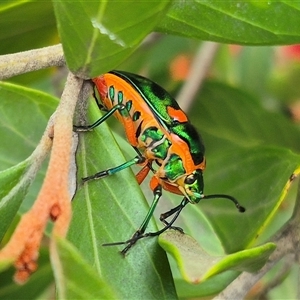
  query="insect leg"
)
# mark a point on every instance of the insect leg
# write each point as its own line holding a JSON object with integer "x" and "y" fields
{"x": 117, "y": 107}
{"x": 172, "y": 211}
{"x": 157, "y": 191}
{"x": 141, "y": 175}
{"x": 176, "y": 210}
{"x": 104, "y": 173}
{"x": 140, "y": 233}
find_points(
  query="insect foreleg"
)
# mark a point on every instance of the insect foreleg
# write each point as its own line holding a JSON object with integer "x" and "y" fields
{"x": 117, "y": 107}
{"x": 171, "y": 212}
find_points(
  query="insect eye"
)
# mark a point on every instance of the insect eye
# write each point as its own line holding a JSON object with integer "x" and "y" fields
{"x": 190, "y": 179}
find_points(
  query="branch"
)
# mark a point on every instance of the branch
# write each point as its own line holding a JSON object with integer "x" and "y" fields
{"x": 32, "y": 60}
{"x": 197, "y": 73}
{"x": 279, "y": 277}
{"x": 54, "y": 199}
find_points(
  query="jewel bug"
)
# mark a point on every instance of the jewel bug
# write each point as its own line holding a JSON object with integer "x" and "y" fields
{"x": 165, "y": 141}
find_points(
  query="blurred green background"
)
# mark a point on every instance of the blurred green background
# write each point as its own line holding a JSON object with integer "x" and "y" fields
{"x": 247, "y": 110}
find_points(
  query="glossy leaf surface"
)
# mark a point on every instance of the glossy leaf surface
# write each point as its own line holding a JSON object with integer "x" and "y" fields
{"x": 26, "y": 25}
{"x": 13, "y": 191}
{"x": 24, "y": 114}
{"x": 247, "y": 22}
{"x": 97, "y": 36}
{"x": 197, "y": 266}
{"x": 246, "y": 168}
{"x": 75, "y": 278}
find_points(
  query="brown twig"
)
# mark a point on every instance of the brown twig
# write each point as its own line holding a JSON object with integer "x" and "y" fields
{"x": 32, "y": 60}
{"x": 54, "y": 199}
{"x": 279, "y": 277}
{"x": 197, "y": 73}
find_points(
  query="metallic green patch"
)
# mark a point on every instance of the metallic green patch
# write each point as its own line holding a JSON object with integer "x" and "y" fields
{"x": 136, "y": 115}
{"x": 174, "y": 167}
{"x": 120, "y": 97}
{"x": 161, "y": 150}
{"x": 153, "y": 133}
{"x": 111, "y": 93}
{"x": 129, "y": 105}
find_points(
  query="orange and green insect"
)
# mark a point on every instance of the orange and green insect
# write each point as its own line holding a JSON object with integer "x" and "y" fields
{"x": 166, "y": 143}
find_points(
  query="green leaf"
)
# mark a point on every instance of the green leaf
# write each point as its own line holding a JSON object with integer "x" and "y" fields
{"x": 34, "y": 28}
{"x": 254, "y": 67}
{"x": 211, "y": 286}
{"x": 111, "y": 210}
{"x": 228, "y": 117}
{"x": 246, "y": 22}
{"x": 257, "y": 177}
{"x": 75, "y": 278}
{"x": 196, "y": 265}
{"x": 97, "y": 36}
{"x": 4, "y": 264}
{"x": 13, "y": 188}
{"x": 23, "y": 117}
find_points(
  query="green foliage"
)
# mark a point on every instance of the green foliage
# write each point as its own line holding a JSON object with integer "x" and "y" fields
{"x": 260, "y": 163}
{"x": 251, "y": 150}
{"x": 39, "y": 284}
{"x": 12, "y": 193}
{"x": 26, "y": 25}
{"x": 104, "y": 33}
{"x": 196, "y": 265}
{"x": 75, "y": 278}
{"x": 247, "y": 22}
{"x": 19, "y": 135}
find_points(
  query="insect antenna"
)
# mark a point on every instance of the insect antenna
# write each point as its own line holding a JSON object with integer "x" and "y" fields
{"x": 237, "y": 204}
